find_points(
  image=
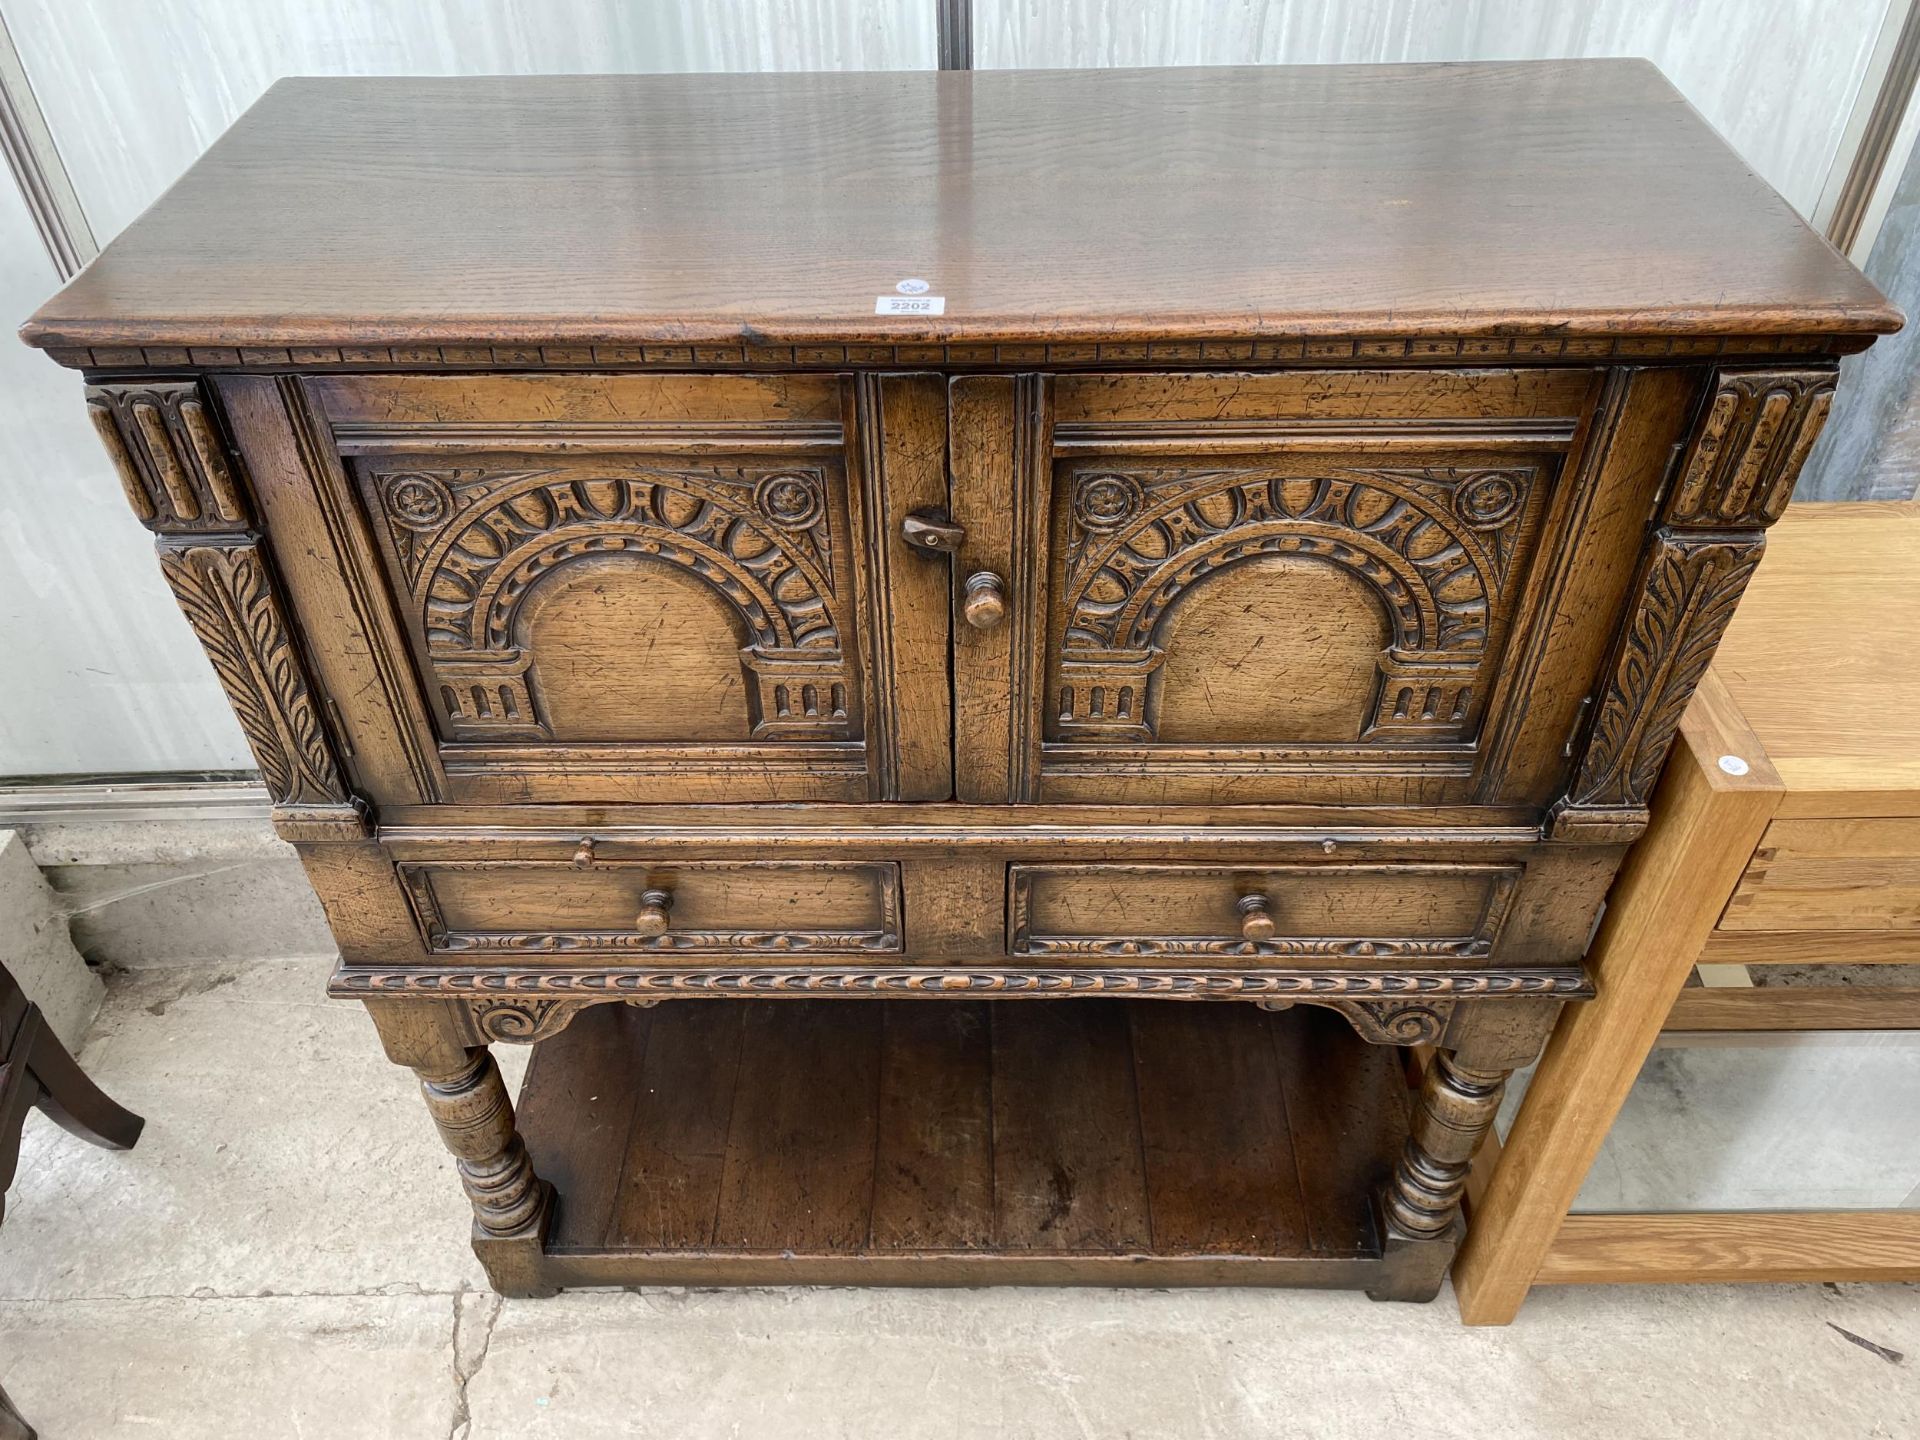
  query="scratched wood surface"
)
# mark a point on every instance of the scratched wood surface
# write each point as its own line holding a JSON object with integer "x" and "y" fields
{"x": 1317, "y": 200}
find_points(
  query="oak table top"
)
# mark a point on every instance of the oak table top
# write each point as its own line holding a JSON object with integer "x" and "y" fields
{"x": 1820, "y": 657}
{"x": 1562, "y": 199}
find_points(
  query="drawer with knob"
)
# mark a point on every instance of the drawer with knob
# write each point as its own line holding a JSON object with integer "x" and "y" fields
{"x": 495, "y": 908}
{"x": 1408, "y": 914}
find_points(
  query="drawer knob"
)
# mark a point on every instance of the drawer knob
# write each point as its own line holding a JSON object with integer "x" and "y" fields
{"x": 931, "y": 531}
{"x": 985, "y": 603}
{"x": 652, "y": 919}
{"x": 1256, "y": 917}
{"x": 583, "y": 856}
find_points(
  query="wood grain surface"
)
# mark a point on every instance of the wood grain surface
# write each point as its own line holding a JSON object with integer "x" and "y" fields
{"x": 1757, "y": 1247}
{"x": 1820, "y": 658}
{"x": 1567, "y": 198}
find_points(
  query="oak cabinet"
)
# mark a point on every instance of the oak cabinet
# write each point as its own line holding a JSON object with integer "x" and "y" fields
{"x": 1259, "y": 580}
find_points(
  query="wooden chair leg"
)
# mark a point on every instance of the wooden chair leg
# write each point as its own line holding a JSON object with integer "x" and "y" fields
{"x": 12, "y": 1425}
{"x": 66, "y": 1094}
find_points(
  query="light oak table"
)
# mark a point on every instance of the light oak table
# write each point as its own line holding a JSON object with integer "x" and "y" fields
{"x": 1786, "y": 830}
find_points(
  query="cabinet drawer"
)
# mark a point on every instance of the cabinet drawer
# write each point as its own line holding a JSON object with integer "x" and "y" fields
{"x": 687, "y": 907}
{"x": 1230, "y": 915}
{"x": 1831, "y": 875}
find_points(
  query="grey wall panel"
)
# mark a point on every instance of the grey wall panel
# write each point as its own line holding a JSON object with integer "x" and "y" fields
{"x": 134, "y": 90}
{"x": 101, "y": 672}
{"x": 1871, "y": 447}
{"x": 1776, "y": 76}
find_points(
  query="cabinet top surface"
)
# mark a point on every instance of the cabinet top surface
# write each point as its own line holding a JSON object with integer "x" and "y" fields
{"x": 1561, "y": 198}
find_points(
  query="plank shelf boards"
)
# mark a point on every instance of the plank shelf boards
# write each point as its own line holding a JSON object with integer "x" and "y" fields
{"x": 971, "y": 1143}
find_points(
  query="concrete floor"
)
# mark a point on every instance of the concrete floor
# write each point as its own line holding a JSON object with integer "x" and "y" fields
{"x": 285, "y": 1255}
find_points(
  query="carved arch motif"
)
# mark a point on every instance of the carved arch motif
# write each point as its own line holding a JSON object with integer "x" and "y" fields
{"x": 1436, "y": 545}
{"x": 472, "y": 544}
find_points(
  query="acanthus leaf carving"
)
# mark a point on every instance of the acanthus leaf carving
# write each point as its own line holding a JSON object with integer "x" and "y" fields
{"x": 229, "y": 598}
{"x": 1689, "y": 585}
{"x": 1397, "y": 1022}
{"x": 522, "y": 1020}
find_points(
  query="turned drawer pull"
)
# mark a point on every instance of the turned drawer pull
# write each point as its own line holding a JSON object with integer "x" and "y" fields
{"x": 1256, "y": 917}
{"x": 583, "y": 856}
{"x": 652, "y": 919}
{"x": 985, "y": 603}
{"x": 932, "y": 531}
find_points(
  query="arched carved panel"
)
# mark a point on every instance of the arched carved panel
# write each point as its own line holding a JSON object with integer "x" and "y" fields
{"x": 1275, "y": 646}
{"x": 593, "y": 691}
{"x": 473, "y": 545}
{"x": 1438, "y": 547}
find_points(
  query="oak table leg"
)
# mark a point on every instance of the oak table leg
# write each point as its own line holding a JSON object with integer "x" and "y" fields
{"x": 512, "y": 1206}
{"x": 1671, "y": 889}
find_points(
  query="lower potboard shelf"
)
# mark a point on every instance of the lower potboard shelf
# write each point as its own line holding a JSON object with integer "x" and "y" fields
{"x": 1101, "y": 1142}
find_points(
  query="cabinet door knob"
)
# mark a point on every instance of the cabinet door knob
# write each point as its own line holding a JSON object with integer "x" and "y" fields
{"x": 985, "y": 603}
{"x": 932, "y": 531}
{"x": 583, "y": 856}
{"x": 652, "y": 919}
{"x": 1256, "y": 917}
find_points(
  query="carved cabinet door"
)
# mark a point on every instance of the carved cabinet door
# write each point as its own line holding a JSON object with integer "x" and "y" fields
{"x": 1324, "y": 587}
{"x": 597, "y": 588}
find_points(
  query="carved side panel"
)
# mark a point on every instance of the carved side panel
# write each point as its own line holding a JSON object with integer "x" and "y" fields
{"x": 1749, "y": 447}
{"x": 184, "y": 483}
{"x": 470, "y": 544}
{"x": 1735, "y": 477}
{"x": 229, "y": 599}
{"x": 1687, "y": 591}
{"x": 1438, "y": 547}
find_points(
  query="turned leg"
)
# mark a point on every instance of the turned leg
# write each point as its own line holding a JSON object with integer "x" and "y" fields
{"x": 1419, "y": 1207}
{"x": 1456, "y": 1109}
{"x": 469, "y": 1104}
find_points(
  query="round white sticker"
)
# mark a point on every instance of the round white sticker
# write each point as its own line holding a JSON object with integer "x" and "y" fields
{"x": 913, "y": 287}
{"x": 1734, "y": 765}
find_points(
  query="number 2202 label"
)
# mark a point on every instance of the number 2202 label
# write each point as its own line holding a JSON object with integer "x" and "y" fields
{"x": 910, "y": 305}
